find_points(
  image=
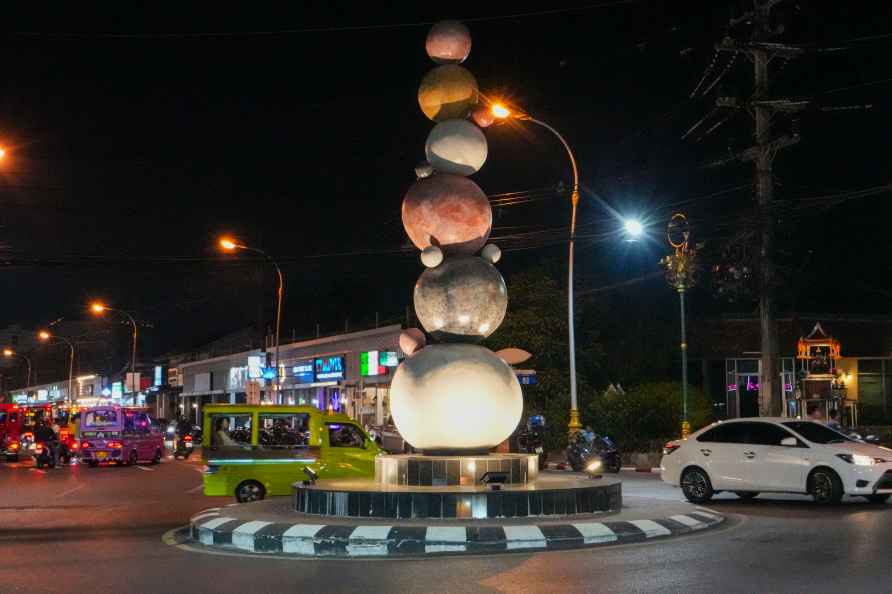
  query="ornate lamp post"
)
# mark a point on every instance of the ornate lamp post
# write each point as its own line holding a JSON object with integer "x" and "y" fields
{"x": 680, "y": 272}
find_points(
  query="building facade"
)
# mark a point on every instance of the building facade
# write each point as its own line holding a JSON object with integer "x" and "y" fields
{"x": 348, "y": 372}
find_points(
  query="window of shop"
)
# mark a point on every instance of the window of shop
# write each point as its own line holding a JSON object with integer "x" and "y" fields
{"x": 292, "y": 429}
{"x": 742, "y": 377}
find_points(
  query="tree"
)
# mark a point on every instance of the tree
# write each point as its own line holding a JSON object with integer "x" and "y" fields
{"x": 537, "y": 322}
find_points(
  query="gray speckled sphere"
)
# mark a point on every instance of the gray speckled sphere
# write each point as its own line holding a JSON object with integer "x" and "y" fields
{"x": 462, "y": 300}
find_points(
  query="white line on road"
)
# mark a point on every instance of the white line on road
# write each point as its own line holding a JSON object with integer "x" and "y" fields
{"x": 71, "y": 490}
{"x": 146, "y": 468}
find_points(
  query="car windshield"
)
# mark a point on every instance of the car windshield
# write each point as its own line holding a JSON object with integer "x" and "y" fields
{"x": 816, "y": 433}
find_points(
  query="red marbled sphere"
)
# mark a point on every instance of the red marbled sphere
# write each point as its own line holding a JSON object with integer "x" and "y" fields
{"x": 449, "y": 211}
{"x": 448, "y": 42}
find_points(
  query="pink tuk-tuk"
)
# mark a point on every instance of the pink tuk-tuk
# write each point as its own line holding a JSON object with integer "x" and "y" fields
{"x": 121, "y": 435}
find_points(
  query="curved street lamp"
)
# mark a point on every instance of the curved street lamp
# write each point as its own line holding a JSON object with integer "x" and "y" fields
{"x": 45, "y": 336}
{"x": 501, "y": 112}
{"x": 99, "y": 308}
{"x": 228, "y": 244}
{"x": 9, "y": 353}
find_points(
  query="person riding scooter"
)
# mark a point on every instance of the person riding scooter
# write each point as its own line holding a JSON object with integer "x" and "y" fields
{"x": 47, "y": 438}
{"x": 182, "y": 447}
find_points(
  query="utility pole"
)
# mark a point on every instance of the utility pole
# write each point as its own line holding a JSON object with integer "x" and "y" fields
{"x": 761, "y": 51}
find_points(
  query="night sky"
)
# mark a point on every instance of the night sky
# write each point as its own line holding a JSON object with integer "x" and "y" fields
{"x": 136, "y": 138}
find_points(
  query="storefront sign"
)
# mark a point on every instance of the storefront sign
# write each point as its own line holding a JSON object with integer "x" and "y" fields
{"x": 388, "y": 359}
{"x": 255, "y": 367}
{"x": 41, "y": 395}
{"x": 237, "y": 378}
{"x": 329, "y": 368}
{"x": 526, "y": 377}
{"x": 159, "y": 373}
{"x": 369, "y": 364}
{"x": 303, "y": 373}
{"x": 117, "y": 390}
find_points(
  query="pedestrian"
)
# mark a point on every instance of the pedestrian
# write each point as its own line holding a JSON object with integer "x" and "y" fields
{"x": 57, "y": 441}
{"x": 833, "y": 421}
{"x": 815, "y": 413}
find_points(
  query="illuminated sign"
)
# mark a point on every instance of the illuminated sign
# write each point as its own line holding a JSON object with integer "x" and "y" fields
{"x": 388, "y": 359}
{"x": 117, "y": 390}
{"x": 255, "y": 367}
{"x": 329, "y": 368}
{"x": 303, "y": 373}
{"x": 158, "y": 376}
{"x": 269, "y": 373}
{"x": 41, "y": 394}
{"x": 369, "y": 365}
{"x": 237, "y": 378}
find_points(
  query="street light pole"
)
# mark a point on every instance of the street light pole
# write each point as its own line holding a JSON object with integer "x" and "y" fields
{"x": 230, "y": 245}
{"x": 44, "y": 335}
{"x": 98, "y": 308}
{"x": 680, "y": 272}
{"x": 499, "y": 111}
{"x": 11, "y": 353}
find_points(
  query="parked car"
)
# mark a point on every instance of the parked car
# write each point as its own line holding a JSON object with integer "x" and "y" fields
{"x": 389, "y": 439}
{"x": 777, "y": 455}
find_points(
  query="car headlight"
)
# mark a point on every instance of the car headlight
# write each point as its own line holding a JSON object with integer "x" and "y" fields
{"x": 860, "y": 460}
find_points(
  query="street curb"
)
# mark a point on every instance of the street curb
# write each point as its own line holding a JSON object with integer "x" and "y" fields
{"x": 213, "y": 528}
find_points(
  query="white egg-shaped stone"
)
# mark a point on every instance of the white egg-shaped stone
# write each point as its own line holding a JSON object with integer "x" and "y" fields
{"x": 456, "y": 146}
{"x": 491, "y": 253}
{"x": 455, "y": 397}
{"x": 431, "y": 256}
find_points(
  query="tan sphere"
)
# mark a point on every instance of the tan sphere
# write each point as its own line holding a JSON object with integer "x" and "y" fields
{"x": 447, "y": 92}
{"x": 449, "y": 211}
{"x": 412, "y": 340}
{"x": 448, "y": 42}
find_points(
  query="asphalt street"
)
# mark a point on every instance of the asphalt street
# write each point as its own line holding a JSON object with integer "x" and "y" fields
{"x": 93, "y": 531}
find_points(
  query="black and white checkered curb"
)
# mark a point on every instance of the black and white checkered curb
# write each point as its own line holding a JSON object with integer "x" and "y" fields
{"x": 214, "y": 528}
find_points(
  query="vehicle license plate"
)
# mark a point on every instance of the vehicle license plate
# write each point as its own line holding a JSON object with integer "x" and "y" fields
{"x": 102, "y": 455}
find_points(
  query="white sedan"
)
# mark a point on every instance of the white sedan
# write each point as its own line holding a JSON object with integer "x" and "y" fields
{"x": 776, "y": 455}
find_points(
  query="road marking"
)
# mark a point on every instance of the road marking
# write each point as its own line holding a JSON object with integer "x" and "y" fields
{"x": 145, "y": 468}
{"x": 71, "y": 490}
{"x": 243, "y": 536}
{"x": 524, "y": 537}
{"x": 595, "y": 532}
{"x": 299, "y": 539}
{"x": 196, "y": 489}
{"x": 453, "y": 538}
{"x": 686, "y": 520}
{"x": 651, "y": 528}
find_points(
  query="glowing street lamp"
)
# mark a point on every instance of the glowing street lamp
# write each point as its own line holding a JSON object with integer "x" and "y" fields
{"x": 634, "y": 229}
{"x": 45, "y": 336}
{"x": 499, "y": 111}
{"x": 99, "y": 308}
{"x": 229, "y": 244}
{"x": 9, "y": 353}
{"x": 2, "y": 152}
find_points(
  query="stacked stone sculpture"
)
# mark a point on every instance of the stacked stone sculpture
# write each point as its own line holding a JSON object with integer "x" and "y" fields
{"x": 453, "y": 396}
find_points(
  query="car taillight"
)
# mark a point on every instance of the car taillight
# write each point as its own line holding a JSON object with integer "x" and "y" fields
{"x": 85, "y": 445}
{"x": 188, "y": 438}
{"x": 74, "y": 445}
{"x": 114, "y": 444}
{"x": 14, "y": 445}
{"x": 670, "y": 447}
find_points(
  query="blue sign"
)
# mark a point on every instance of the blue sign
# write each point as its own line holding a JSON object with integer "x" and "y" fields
{"x": 526, "y": 377}
{"x": 269, "y": 373}
{"x": 329, "y": 368}
{"x": 303, "y": 373}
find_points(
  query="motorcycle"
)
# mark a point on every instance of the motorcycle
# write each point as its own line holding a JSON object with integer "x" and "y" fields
{"x": 184, "y": 447}
{"x": 43, "y": 455}
{"x": 531, "y": 439}
{"x": 593, "y": 455}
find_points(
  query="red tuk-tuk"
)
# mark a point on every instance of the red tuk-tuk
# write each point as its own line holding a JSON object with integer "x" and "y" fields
{"x": 12, "y": 420}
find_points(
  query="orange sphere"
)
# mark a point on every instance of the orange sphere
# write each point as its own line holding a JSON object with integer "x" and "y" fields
{"x": 447, "y": 92}
{"x": 449, "y": 211}
{"x": 483, "y": 117}
{"x": 448, "y": 42}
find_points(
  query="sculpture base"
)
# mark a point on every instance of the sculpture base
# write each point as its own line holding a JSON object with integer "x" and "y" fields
{"x": 454, "y": 470}
{"x": 549, "y": 495}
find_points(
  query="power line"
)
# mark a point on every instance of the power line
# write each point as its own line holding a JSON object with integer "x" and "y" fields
{"x": 333, "y": 29}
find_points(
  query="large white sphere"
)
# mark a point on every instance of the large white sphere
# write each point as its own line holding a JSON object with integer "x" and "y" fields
{"x": 455, "y": 397}
{"x": 456, "y": 146}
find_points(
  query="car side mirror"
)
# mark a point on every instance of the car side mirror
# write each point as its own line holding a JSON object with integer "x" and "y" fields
{"x": 789, "y": 442}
